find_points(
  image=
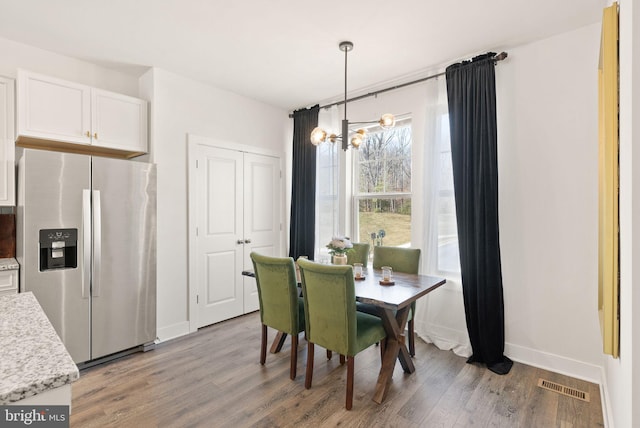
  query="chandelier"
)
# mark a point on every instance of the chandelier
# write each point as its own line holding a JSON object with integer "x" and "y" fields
{"x": 348, "y": 138}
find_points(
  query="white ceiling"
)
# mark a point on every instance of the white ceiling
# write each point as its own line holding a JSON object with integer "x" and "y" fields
{"x": 285, "y": 52}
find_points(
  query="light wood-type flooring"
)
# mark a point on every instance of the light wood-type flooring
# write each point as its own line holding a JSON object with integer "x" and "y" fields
{"x": 213, "y": 378}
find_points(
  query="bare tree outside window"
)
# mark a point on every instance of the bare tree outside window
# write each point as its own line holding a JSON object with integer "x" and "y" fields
{"x": 383, "y": 186}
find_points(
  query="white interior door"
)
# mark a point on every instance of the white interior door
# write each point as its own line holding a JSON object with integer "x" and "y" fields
{"x": 219, "y": 240}
{"x": 261, "y": 216}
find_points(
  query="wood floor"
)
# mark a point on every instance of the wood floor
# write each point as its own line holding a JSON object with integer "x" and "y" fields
{"x": 213, "y": 378}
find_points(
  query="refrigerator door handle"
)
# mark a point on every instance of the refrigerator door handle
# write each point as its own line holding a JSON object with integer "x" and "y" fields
{"x": 97, "y": 243}
{"x": 86, "y": 238}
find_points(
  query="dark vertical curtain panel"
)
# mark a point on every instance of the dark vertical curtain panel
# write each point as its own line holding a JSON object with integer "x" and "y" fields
{"x": 471, "y": 92}
{"x": 303, "y": 189}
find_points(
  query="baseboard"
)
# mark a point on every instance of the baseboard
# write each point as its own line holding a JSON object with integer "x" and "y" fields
{"x": 447, "y": 338}
{"x": 554, "y": 363}
{"x": 172, "y": 331}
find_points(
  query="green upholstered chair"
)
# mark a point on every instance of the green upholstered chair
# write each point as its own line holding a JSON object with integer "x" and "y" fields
{"x": 280, "y": 306}
{"x": 332, "y": 319}
{"x": 360, "y": 254}
{"x": 405, "y": 260}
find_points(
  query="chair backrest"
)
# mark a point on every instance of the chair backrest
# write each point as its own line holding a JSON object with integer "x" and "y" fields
{"x": 329, "y": 306}
{"x": 360, "y": 254}
{"x": 277, "y": 292}
{"x": 405, "y": 260}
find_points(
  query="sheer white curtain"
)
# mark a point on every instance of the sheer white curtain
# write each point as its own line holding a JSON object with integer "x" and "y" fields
{"x": 327, "y": 185}
{"x": 440, "y": 317}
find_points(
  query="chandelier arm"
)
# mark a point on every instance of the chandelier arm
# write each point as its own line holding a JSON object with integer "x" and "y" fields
{"x": 367, "y": 122}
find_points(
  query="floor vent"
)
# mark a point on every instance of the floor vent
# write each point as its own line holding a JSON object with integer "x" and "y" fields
{"x": 564, "y": 390}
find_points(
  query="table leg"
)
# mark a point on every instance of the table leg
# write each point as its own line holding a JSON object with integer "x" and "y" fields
{"x": 278, "y": 342}
{"x": 395, "y": 348}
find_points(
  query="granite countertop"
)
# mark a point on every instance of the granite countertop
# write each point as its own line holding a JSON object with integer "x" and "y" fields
{"x": 9, "y": 264}
{"x": 32, "y": 357}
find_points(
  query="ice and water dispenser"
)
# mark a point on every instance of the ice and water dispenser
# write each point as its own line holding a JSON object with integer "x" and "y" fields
{"x": 58, "y": 249}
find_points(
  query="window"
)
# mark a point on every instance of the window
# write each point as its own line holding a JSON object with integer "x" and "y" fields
{"x": 448, "y": 253}
{"x": 327, "y": 182}
{"x": 382, "y": 187}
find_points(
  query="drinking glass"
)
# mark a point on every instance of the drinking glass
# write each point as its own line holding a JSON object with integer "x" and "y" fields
{"x": 387, "y": 272}
{"x": 357, "y": 270}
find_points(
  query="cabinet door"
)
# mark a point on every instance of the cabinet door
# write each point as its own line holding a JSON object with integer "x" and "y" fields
{"x": 53, "y": 109}
{"x": 118, "y": 121}
{"x": 7, "y": 147}
{"x": 8, "y": 282}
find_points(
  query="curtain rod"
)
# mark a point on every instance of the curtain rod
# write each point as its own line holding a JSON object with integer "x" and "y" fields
{"x": 498, "y": 57}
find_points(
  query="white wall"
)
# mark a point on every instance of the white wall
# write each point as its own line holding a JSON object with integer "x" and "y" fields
{"x": 180, "y": 106}
{"x": 622, "y": 382}
{"x": 15, "y": 55}
{"x": 548, "y": 160}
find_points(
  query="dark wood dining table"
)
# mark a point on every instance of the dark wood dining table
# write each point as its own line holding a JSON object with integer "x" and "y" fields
{"x": 394, "y": 303}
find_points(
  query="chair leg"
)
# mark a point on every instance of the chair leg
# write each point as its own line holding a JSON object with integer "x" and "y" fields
{"x": 329, "y": 354}
{"x": 294, "y": 356}
{"x": 350, "y": 370}
{"x": 309, "y": 376}
{"x": 383, "y": 346}
{"x": 263, "y": 345}
{"x": 341, "y": 359}
{"x": 412, "y": 343}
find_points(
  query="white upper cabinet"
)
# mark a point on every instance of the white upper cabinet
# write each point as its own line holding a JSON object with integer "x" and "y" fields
{"x": 118, "y": 121}
{"x": 57, "y": 114}
{"x": 7, "y": 148}
{"x": 53, "y": 109}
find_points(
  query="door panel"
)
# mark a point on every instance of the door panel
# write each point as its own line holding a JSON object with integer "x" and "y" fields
{"x": 124, "y": 263}
{"x": 221, "y": 295}
{"x": 219, "y": 219}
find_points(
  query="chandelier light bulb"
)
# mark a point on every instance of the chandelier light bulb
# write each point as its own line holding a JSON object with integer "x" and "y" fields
{"x": 358, "y": 138}
{"x": 387, "y": 121}
{"x": 318, "y": 135}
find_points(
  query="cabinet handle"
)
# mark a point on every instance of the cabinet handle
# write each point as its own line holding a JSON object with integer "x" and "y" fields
{"x": 95, "y": 135}
{"x": 247, "y": 241}
{"x": 239, "y": 242}
{"x": 88, "y": 134}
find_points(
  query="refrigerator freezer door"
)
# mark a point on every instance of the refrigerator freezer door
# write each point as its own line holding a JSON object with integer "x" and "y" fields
{"x": 50, "y": 196}
{"x": 124, "y": 249}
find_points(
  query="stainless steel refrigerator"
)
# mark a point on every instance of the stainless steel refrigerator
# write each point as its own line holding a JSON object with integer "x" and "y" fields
{"x": 86, "y": 244}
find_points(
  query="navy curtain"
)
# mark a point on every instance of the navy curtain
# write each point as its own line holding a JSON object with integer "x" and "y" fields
{"x": 471, "y": 92}
{"x": 303, "y": 189}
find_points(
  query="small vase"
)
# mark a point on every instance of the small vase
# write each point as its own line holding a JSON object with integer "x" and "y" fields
{"x": 339, "y": 259}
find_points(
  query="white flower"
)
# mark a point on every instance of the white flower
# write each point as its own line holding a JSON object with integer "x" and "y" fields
{"x": 339, "y": 245}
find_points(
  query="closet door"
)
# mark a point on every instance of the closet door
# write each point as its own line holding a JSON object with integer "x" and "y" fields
{"x": 262, "y": 219}
{"x": 237, "y": 202}
{"x": 219, "y": 236}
